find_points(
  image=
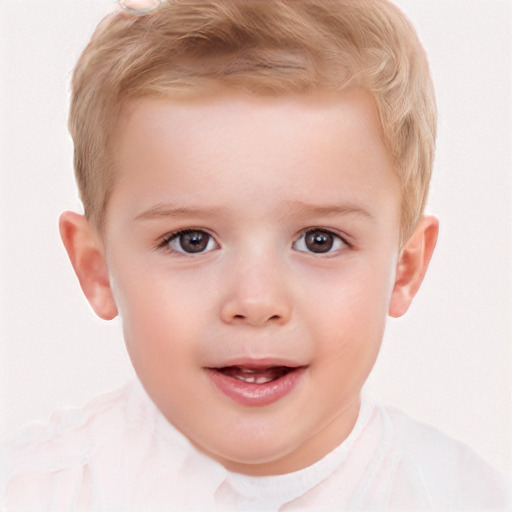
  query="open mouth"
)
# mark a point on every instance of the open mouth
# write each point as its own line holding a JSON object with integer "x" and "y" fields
{"x": 256, "y": 384}
{"x": 256, "y": 375}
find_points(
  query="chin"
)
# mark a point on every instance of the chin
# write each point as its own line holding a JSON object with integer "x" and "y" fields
{"x": 258, "y": 457}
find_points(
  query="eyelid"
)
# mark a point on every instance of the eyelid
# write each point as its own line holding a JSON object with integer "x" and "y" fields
{"x": 330, "y": 231}
{"x": 163, "y": 242}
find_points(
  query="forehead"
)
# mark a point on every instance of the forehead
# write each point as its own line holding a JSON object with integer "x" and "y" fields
{"x": 224, "y": 147}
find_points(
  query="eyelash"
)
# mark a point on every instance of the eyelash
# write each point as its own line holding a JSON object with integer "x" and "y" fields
{"x": 339, "y": 242}
{"x": 175, "y": 235}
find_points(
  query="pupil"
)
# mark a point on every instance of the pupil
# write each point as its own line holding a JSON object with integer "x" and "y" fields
{"x": 195, "y": 241}
{"x": 319, "y": 241}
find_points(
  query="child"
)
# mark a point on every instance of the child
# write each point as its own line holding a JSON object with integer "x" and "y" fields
{"x": 253, "y": 177}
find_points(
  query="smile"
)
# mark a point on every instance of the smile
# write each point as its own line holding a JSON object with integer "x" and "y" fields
{"x": 256, "y": 386}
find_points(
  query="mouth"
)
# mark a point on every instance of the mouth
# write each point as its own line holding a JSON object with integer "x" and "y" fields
{"x": 255, "y": 375}
{"x": 251, "y": 385}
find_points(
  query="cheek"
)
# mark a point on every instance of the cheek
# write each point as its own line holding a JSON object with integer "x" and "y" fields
{"x": 348, "y": 308}
{"x": 361, "y": 288}
{"x": 157, "y": 313}
{"x": 155, "y": 294}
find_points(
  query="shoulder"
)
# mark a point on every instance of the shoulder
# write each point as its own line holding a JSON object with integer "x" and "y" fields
{"x": 43, "y": 456}
{"x": 69, "y": 426}
{"x": 451, "y": 472}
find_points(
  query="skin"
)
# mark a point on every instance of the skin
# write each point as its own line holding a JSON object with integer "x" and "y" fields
{"x": 254, "y": 174}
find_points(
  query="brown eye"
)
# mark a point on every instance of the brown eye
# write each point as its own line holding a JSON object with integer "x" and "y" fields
{"x": 318, "y": 241}
{"x": 192, "y": 241}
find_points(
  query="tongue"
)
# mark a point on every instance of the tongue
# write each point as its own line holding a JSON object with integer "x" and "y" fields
{"x": 271, "y": 373}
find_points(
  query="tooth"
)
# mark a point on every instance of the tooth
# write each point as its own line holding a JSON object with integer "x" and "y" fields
{"x": 253, "y": 380}
{"x": 246, "y": 379}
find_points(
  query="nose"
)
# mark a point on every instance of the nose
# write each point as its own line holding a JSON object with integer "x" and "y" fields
{"x": 258, "y": 295}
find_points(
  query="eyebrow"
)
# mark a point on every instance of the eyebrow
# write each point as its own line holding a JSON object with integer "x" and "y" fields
{"x": 328, "y": 209}
{"x": 166, "y": 210}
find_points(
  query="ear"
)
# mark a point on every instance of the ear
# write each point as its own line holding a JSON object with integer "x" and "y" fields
{"x": 412, "y": 264}
{"x": 86, "y": 252}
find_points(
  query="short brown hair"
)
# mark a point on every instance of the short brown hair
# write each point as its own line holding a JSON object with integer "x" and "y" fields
{"x": 262, "y": 47}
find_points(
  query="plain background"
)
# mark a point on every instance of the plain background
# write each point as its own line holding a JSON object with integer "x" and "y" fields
{"x": 447, "y": 362}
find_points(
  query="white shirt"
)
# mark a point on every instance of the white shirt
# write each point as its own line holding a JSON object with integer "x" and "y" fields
{"x": 119, "y": 453}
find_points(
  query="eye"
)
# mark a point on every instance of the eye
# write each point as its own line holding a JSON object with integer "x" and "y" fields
{"x": 190, "y": 241}
{"x": 319, "y": 241}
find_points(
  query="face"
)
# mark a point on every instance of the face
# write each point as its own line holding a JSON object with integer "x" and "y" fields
{"x": 251, "y": 245}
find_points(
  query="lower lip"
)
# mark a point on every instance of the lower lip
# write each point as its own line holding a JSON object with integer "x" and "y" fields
{"x": 252, "y": 394}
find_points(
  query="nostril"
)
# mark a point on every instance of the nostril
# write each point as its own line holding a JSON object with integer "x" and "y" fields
{"x": 256, "y": 320}
{"x": 240, "y": 310}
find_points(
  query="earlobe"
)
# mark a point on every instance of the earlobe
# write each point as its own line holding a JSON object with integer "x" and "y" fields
{"x": 86, "y": 253}
{"x": 412, "y": 264}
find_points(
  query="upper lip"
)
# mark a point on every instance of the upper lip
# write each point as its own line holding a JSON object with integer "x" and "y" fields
{"x": 257, "y": 363}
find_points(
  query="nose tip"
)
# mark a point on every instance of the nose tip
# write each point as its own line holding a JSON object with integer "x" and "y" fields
{"x": 257, "y": 306}
{"x": 255, "y": 314}
{"x": 256, "y": 288}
